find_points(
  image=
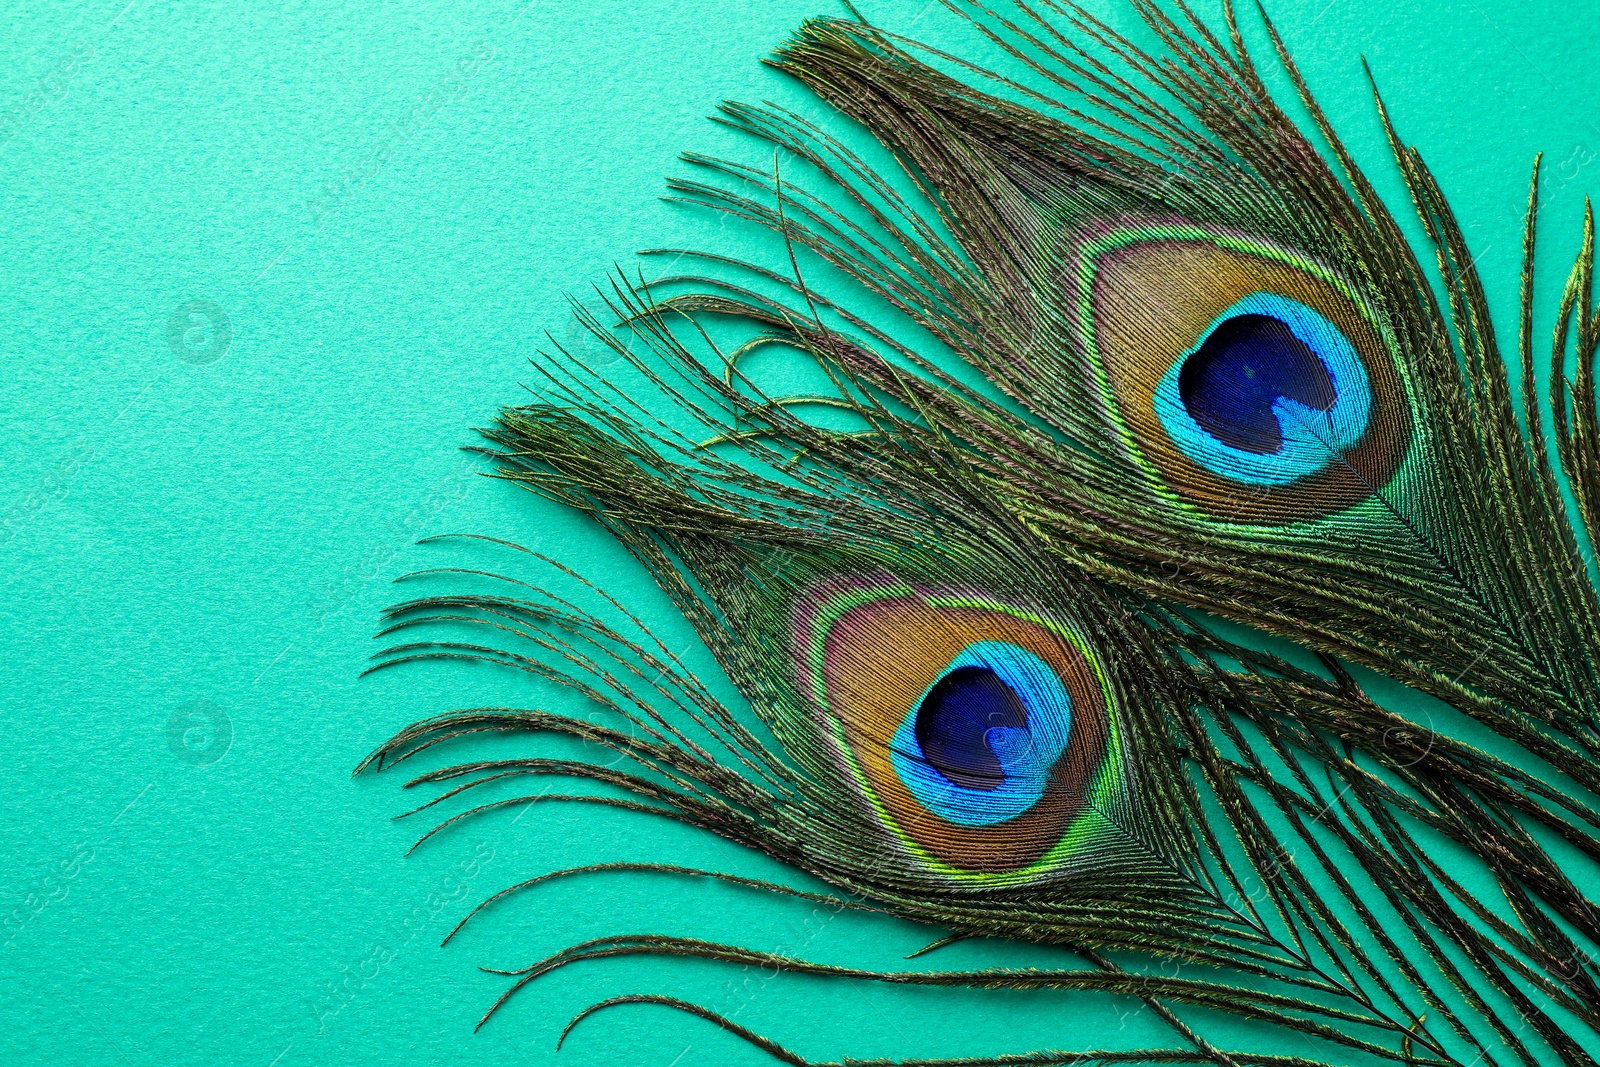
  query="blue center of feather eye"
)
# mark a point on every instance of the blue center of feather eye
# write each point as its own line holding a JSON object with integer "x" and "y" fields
{"x": 1230, "y": 384}
{"x": 954, "y": 720}
{"x": 981, "y": 743}
{"x": 1271, "y": 392}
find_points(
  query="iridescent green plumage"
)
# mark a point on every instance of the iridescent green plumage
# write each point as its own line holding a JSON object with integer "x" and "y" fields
{"x": 961, "y": 624}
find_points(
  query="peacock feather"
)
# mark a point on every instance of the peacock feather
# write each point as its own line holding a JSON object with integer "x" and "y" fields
{"x": 1176, "y": 368}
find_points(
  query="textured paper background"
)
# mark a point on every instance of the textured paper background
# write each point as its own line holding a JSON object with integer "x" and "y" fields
{"x": 387, "y": 202}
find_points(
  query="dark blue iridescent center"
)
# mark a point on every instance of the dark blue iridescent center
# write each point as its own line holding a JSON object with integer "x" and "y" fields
{"x": 954, "y": 720}
{"x": 1245, "y": 366}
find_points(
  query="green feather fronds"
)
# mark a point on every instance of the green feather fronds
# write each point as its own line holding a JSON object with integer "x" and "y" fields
{"x": 1306, "y": 855}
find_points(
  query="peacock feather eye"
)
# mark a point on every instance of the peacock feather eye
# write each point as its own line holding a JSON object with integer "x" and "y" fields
{"x": 979, "y": 747}
{"x": 979, "y": 731}
{"x": 1248, "y": 381}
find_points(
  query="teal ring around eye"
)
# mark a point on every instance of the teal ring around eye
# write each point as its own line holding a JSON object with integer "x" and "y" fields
{"x": 1311, "y": 438}
{"x": 1026, "y": 755}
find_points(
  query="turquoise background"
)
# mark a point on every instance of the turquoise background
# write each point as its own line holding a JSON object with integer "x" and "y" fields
{"x": 193, "y": 550}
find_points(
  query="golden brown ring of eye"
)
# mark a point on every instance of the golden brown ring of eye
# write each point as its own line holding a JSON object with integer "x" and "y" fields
{"x": 884, "y": 654}
{"x": 1154, "y": 299}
